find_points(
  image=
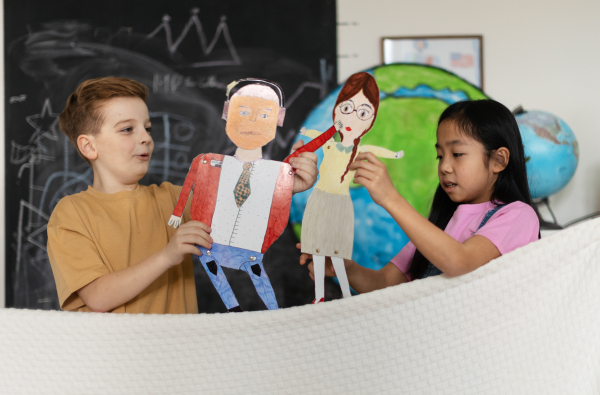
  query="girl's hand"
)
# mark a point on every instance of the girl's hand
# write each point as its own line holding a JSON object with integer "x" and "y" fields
{"x": 305, "y": 166}
{"x": 373, "y": 175}
{"x": 184, "y": 242}
{"x": 307, "y": 258}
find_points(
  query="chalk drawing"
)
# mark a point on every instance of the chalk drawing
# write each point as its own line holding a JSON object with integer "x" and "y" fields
{"x": 17, "y": 99}
{"x": 194, "y": 21}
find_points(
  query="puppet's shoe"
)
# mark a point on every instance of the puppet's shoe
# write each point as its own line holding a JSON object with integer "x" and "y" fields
{"x": 320, "y": 301}
{"x": 235, "y": 309}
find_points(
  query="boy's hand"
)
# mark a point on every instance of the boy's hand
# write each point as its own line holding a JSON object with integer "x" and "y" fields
{"x": 305, "y": 167}
{"x": 307, "y": 258}
{"x": 184, "y": 242}
{"x": 373, "y": 175}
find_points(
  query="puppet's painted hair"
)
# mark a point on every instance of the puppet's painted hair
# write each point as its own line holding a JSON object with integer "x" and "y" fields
{"x": 359, "y": 82}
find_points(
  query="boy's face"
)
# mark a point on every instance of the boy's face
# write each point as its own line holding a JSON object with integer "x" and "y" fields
{"x": 124, "y": 145}
{"x": 251, "y": 121}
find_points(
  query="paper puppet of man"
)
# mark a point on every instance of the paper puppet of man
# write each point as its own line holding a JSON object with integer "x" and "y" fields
{"x": 243, "y": 198}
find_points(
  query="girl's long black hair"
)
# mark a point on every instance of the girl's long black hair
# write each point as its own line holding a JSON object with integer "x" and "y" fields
{"x": 494, "y": 126}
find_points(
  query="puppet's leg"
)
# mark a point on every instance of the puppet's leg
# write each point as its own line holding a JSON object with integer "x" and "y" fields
{"x": 319, "y": 271}
{"x": 340, "y": 272}
{"x": 218, "y": 279}
{"x": 258, "y": 275}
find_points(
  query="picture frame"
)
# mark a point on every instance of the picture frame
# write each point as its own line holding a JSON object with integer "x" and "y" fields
{"x": 461, "y": 55}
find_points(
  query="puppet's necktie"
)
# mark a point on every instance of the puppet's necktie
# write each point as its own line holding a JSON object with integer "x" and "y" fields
{"x": 242, "y": 188}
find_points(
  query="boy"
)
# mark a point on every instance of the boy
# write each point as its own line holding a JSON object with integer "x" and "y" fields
{"x": 110, "y": 247}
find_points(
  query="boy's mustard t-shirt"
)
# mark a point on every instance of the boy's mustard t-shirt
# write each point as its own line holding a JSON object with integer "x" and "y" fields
{"x": 93, "y": 233}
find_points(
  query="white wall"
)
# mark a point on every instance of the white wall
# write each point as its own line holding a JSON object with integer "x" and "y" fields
{"x": 543, "y": 54}
{"x": 2, "y": 234}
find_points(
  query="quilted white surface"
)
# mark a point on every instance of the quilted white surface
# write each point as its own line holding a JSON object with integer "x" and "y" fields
{"x": 527, "y": 323}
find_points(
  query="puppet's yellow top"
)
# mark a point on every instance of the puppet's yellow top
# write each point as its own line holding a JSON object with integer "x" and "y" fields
{"x": 335, "y": 161}
{"x": 93, "y": 233}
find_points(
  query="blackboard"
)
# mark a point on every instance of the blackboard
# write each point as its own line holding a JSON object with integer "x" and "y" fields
{"x": 185, "y": 52}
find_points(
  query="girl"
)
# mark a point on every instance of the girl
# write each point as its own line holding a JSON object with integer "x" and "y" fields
{"x": 481, "y": 208}
{"x": 328, "y": 222}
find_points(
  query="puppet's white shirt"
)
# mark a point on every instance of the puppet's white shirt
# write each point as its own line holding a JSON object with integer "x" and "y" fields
{"x": 244, "y": 227}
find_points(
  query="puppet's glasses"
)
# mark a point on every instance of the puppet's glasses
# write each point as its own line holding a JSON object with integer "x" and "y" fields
{"x": 364, "y": 112}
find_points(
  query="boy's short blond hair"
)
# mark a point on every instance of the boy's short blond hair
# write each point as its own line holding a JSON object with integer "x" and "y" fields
{"x": 82, "y": 113}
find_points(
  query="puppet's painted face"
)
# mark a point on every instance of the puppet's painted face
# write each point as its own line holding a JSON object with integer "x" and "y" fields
{"x": 251, "y": 121}
{"x": 356, "y": 114}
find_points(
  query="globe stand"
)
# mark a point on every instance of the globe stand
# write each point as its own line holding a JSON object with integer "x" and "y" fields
{"x": 545, "y": 225}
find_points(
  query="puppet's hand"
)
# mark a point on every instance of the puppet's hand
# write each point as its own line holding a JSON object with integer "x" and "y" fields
{"x": 399, "y": 155}
{"x": 302, "y": 132}
{"x": 338, "y": 125}
{"x": 175, "y": 221}
{"x": 305, "y": 167}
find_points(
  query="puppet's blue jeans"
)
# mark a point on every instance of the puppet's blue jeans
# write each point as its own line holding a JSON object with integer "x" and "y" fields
{"x": 236, "y": 258}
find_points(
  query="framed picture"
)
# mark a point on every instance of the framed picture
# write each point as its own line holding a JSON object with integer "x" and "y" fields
{"x": 461, "y": 55}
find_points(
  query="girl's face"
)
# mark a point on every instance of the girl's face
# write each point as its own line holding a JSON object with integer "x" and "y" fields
{"x": 356, "y": 115}
{"x": 465, "y": 172}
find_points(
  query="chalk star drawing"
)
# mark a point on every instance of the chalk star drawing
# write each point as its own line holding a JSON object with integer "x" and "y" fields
{"x": 45, "y": 124}
{"x": 222, "y": 29}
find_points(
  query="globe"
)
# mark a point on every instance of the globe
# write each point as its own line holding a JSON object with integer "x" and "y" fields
{"x": 551, "y": 152}
{"x": 412, "y": 97}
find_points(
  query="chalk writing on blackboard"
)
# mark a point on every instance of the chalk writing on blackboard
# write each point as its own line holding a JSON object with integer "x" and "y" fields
{"x": 194, "y": 21}
{"x": 18, "y": 99}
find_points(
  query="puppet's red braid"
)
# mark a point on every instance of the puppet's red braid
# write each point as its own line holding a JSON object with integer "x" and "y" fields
{"x": 314, "y": 145}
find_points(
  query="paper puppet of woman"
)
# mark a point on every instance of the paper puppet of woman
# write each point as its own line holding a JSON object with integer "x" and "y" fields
{"x": 328, "y": 222}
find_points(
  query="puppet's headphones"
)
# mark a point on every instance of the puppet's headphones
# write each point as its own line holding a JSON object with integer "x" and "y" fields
{"x": 250, "y": 81}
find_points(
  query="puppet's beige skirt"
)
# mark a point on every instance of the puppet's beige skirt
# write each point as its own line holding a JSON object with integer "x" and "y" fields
{"x": 328, "y": 225}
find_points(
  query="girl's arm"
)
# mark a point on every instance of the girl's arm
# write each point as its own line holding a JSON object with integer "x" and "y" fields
{"x": 380, "y": 151}
{"x": 447, "y": 254}
{"x": 360, "y": 278}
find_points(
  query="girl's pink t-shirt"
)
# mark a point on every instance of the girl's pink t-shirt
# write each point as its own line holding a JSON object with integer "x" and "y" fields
{"x": 511, "y": 227}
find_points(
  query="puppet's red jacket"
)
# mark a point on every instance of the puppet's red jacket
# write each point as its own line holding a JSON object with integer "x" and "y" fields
{"x": 204, "y": 180}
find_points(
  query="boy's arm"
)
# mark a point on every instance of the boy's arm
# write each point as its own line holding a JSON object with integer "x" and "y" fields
{"x": 381, "y": 152}
{"x": 117, "y": 288}
{"x": 186, "y": 190}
